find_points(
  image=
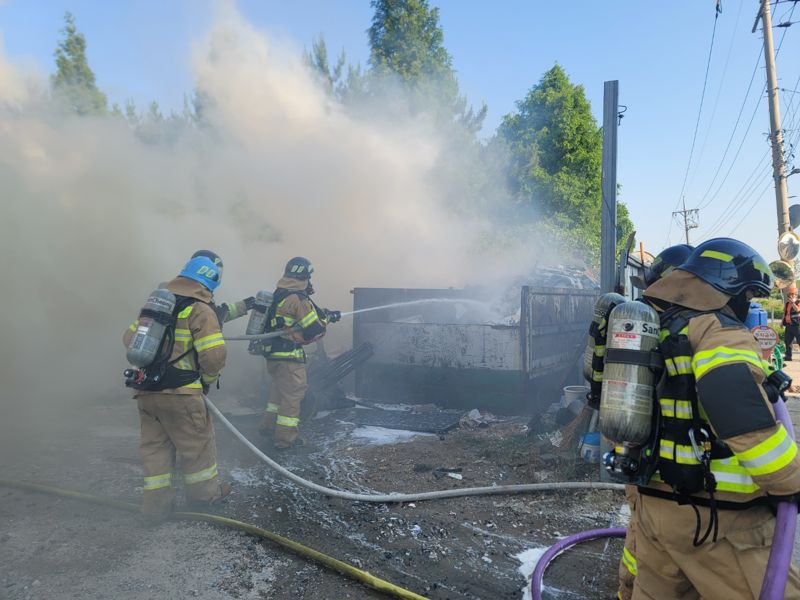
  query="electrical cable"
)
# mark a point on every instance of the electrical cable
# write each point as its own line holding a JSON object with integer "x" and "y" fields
{"x": 741, "y": 196}
{"x": 719, "y": 88}
{"x": 702, "y": 99}
{"x": 703, "y": 203}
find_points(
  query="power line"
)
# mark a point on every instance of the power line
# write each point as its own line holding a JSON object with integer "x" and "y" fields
{"x": 719, "y": 88}
{"x": 741, "y": 202}
{"x": 702, "y": 98}
{"x": 742, "y": 195}
{"x": 752, "y": 206}
{"x": 702, "y": 203}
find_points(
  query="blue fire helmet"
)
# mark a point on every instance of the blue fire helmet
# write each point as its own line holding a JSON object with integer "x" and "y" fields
{"x": 209, "y": 254}
{"x": 203, "y": 270}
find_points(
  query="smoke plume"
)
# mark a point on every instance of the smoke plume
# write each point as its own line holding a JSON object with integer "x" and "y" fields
{"x": 94, "y": 217}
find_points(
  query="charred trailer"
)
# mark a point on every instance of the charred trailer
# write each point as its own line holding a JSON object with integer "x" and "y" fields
{"x": 444, "y": 352}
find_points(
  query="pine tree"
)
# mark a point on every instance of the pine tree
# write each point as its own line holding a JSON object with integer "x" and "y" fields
{"x": 74, "y": 83}
{"x": 407, "y": 42}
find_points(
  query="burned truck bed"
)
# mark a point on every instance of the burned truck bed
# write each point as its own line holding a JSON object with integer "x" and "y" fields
{"x": 455, "y": 353}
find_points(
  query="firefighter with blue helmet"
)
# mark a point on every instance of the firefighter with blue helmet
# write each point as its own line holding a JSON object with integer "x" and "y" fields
{"x": 704, "y": 520}
{"x": 173, "y": 415}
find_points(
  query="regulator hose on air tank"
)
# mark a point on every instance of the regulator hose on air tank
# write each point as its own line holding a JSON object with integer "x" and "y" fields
{"x": 780, "y": 555}
{"x": 344, "y": 568}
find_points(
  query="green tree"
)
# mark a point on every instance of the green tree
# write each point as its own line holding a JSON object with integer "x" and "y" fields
{"x": 74, "y": 82}
{"x": 407, "y": 43}
{"x": 555, "y": 149}
{"x": 330, "y": 76}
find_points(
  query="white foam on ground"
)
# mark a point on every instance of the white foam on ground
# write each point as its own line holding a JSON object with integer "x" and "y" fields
{"x": 529, "y": 558}
{"x": 380, "y": 435}
{"x": 247, "y": 477}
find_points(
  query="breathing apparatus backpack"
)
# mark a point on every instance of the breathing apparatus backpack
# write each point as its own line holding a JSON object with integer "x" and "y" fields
{"x": 152, "y": 344}
{"x": 596, "y": 345}
{"x": 632, "y": 367}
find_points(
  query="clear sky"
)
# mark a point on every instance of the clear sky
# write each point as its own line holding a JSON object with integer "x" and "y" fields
{"x": 657, "y": 50}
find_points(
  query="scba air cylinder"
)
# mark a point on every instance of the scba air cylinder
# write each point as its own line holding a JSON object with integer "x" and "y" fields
{"x": 602, "y": 307}
{"x": 145, "y": 345}
{"x": 626, "y": 400}
{"x": 258, "y": 316}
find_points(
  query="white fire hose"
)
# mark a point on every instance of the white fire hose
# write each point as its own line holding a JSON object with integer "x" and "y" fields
{"x": 397, "y": 497}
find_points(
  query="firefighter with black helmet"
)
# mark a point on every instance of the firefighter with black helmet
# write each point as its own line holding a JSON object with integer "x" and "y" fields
{"x": 303, "y": 322}
{"x": 704, "y": 522}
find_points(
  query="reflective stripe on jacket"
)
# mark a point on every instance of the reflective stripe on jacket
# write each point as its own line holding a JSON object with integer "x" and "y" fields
{"x": 715, "y": 361}
{"x": 294, "y": 308}
{"x": 196, "y": 331}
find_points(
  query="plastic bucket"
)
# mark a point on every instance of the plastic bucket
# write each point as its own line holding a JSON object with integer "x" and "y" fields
{"x": 574, "y": 398}
{"x": 590, "y": 447}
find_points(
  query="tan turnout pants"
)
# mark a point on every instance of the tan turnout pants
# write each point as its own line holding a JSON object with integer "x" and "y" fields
{"x": 671, "y": 568}
{"x": 627, "y": 562}
{"x": 176, "y": 424}
{"x": 286, "y": 394}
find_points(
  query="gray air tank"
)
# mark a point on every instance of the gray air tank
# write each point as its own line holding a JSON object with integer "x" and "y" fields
{"x": 626, "y": 401}
{"x": 601, "y": 308}
{"x": 153, "y": 320}
{"x": 258, "y": 316}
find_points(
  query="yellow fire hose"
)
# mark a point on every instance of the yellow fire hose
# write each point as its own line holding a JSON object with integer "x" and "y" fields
{"x": 359, "y": 575}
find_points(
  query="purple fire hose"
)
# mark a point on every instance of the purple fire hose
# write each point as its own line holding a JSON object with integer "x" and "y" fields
{"x": 561, "y": 546}
{"x": 780, "y": 555}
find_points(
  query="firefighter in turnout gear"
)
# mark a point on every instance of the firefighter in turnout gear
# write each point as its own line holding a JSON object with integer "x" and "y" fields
{"x": 663, "y": 264}
{"x": 704, "y": 521}
{"x": 304, "y": 322}
{"x": 173, "y": 415}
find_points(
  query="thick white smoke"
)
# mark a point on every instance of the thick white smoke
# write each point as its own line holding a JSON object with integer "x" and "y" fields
{"x": 93, "y": 217}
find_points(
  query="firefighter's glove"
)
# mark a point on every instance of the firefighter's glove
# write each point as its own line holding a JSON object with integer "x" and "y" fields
{"x": 249, "y": 302}
{"x": 593, "y": 400}
{"x": 776, "y": 384}
{"x": 221, "y": 311}
{"x": 331, "y": 316}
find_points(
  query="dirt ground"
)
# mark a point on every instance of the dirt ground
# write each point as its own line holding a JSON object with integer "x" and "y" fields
{"x": 463, "y": 548}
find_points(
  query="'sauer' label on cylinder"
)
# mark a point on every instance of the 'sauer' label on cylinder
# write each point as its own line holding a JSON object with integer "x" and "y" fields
{"x": 628, "y": 333}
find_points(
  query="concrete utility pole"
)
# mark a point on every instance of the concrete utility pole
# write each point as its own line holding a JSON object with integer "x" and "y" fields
{"x": 608, "y": 210}
{"x": 691, "y": 218}
{"x": 776, "y": 135}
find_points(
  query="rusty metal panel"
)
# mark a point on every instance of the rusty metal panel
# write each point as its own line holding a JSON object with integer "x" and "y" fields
{"x": 555, "y": 323}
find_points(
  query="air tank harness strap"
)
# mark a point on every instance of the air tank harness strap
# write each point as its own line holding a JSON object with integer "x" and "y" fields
{"x": 684, "y": 499}
{"x": 159, "y": 317}
{"x": 651, "y": 359}
{"x": 678, "y": 319}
